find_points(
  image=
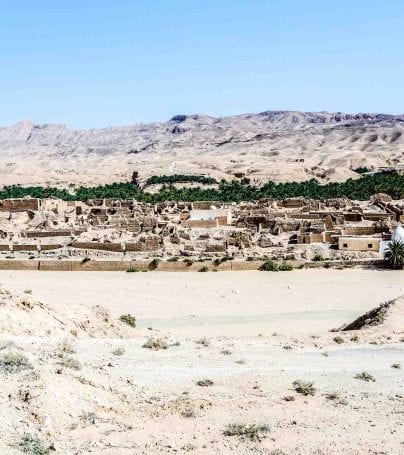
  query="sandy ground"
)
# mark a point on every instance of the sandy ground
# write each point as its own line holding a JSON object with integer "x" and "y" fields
{"x": 149, "y": 402}
{"x": 225, "y": 303}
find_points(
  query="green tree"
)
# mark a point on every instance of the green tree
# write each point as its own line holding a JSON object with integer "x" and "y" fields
{"x": 394, "y": 254}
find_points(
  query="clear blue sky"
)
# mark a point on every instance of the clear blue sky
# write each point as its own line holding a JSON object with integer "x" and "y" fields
{"x": 95, "y": 63}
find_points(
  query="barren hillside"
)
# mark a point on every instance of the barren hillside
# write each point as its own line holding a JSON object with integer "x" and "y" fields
{"x": 276, "y": 145}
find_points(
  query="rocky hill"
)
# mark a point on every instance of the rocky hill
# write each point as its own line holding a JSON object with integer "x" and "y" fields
{"x": 276, "y": 145}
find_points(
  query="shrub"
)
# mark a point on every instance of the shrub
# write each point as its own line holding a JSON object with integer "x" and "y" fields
{"x": 204, "y": 269}
{"x": 132, "y": 270}
{"x": 188, "y": 262}
{"x": 269, "y": 266}
{"x": 14, "y": 362}
{"x": 173, "y": 259}
{"x": 318, "y": 257}
{"x": 203, "y": 341}
{"x": 204, "y": 383}
{"x": 397, "y": 366}
{"x": 155, "y": 344}
{"x": 31, "y": 444}
{"x": 70, "y": 362}
{"x": 128, "y": 319}
{"x": 285, "y": 267}
{"x": 66, "y": 347}
{"x": 154, "y": 264}
{"x": 251, "y": 432}
{"x": 365, "y": 376}
{"x": 188, "y": 413}
{"x": 304, "y": 388}
{"x": 119, "y": 351}
{"x": 86, "y": 259}
{"x": 338, "y": 340}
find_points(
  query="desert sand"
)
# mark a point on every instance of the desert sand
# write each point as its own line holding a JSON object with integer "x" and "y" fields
{"x": 252, "y": 334}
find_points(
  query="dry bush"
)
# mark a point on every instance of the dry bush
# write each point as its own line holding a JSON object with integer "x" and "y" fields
{"x": 155, "y": 344}
{"x": 304, "y": 388}
{"x": 204, "y": 382}
{"x": 14, "y": 362}
{"x": 66, "y": 347}
{"x": 243, "y": 431}
{"x": 128, "y": 319}
{"x": 32, "y": 445}
{"x": 338, "y": 340}
{"x": 70, "y": 362}
{"x": 397, "y": 366}
{"x": 365, "y": 376}
{"x": 203, "y": 341}
{"x": 119, "y": 351}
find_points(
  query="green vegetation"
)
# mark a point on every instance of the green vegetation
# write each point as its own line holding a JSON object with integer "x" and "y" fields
{"x": 180, "y": 178}
{"x": 128, "y": 319}
{"x": 204, "y": 269}
{"x": 304, "y": 388}
{"x": 235, "y": 191}
{"x": 361, "y": 170}
{"x": 31, "y": 444}
{"x": 394, "y": 254}
{"x": 14, "y": 362}
{"x": 251, "y": 432}
{"x": 318, "y": 257}
{"x": 132, "y": 270}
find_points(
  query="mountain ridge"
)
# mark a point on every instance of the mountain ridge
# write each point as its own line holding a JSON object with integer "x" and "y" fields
{"x": 270, "y": 145}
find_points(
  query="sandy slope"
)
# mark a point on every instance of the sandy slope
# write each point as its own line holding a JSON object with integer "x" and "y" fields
{"x": 278, "y": 146}
{"x": 148, "y": 402}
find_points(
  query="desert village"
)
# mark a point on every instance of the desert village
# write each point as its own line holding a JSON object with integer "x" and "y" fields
{"x": 294, "y": 229}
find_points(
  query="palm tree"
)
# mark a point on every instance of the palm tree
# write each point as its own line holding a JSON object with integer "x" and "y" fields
{"x": 394, "y": 254}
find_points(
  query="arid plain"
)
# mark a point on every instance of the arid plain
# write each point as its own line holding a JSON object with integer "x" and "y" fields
{"x": 228, "y": 348}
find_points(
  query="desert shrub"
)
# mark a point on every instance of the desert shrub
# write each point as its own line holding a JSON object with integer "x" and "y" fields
{"x": 243, "y": 431}
{"x": 132, "y": 270}
{"x": 338, "y": 340}
{"x": 173, "y": 259}
{"x": 119, "y": 351}
{"x": 70, "y": 362}
{"x": 154, "y": 264}
{"x": 226, "y": 352}
{"x": 28, "y": 291}
{"x": 66, "y": 347}
{"x": 188, "y": 413}
{"x": 32, "y": 445}
{"x": 397, "y": 366}
{"x": 204, "y": 269}
{"x": 304, "y": 388}
{"x": 318, "y": 257}
{"x": 128, "y": 319}
{"x": 204, "y": 382}
{"x": 285, "y": 267}
{"x": 203, "y": 341}
{"x": 365, "y": 376}
{"x": 188, "y": 262}
{"x": 14, "y": 362}
{"x": 269, "y": 266}
{"x": 155, "y": 344}
{"x": 86, "y": 259}
{"x": 88, "y": 417}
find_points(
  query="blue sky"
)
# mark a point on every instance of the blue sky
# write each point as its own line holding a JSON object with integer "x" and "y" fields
{"x": 99, "y": 63}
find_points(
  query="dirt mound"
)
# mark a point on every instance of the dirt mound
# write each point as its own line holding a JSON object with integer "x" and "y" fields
{"x": 22, "y": 315}
{"x": 389, "y": 313}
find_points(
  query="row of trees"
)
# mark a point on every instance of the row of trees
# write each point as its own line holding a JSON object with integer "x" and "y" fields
{"x": 235, "y": 191}
{"x": 180, "y": 178}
